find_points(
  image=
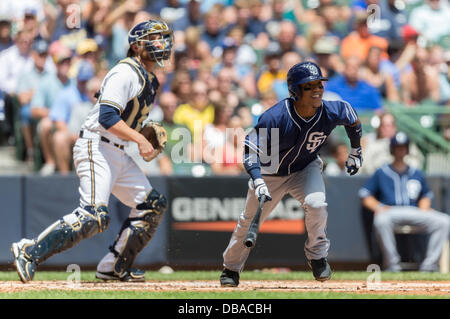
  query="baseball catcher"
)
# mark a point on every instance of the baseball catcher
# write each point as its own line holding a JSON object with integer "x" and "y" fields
{"x": 123, "y": 105}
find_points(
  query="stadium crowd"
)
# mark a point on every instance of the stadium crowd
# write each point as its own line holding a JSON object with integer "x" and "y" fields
{"x": 229, "y": 64}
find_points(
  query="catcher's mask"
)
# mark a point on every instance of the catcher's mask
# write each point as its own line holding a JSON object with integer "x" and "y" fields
{"x": 160, "y": 49}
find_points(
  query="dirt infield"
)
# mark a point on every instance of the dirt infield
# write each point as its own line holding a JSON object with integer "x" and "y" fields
{"x": 430, "y": 288}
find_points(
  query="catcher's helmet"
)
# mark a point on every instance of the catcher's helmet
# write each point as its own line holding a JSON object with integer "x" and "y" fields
{"x": 141, "y": 30}
{"x": 399, "y": 139}
{"x": 301, "y": 73}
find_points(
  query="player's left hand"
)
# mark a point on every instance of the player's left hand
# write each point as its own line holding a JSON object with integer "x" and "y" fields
{"x": 354, "y": 161}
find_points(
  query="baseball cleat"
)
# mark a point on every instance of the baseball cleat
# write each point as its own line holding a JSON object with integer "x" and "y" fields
{"x": 133, "y": 275}
{"x": 320, "y": 268}
{"x": 25, "y": 266}
{"x": 229, "y": 278}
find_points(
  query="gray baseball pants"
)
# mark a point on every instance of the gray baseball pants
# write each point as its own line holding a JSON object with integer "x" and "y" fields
{"x": 432, "y": 222}
{"x": 308, "y": 188}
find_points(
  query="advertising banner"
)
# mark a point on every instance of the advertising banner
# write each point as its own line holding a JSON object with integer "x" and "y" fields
{"x": 204, "y": 213}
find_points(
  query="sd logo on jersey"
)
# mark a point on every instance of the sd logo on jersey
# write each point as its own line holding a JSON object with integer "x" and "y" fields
{"x": 315, "y": 139}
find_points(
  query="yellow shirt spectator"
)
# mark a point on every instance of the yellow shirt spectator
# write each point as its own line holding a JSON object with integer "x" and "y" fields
{"x": 188, "y": 115}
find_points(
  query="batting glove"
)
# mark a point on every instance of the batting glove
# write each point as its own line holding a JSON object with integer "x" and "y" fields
{"x": 354, "y": 161}
{"x": 260, "y": 188}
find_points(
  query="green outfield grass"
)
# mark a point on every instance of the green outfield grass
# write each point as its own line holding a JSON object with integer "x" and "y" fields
{"x": 154, "y": 276}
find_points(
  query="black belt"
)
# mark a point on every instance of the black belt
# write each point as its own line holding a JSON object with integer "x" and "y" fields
{"x": 104, "y": 139}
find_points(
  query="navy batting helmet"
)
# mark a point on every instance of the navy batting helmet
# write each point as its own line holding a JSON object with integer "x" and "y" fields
{"x": 140, "y": 33}
{"x": 399, "y": 139}
{"x": 301, "y": 73}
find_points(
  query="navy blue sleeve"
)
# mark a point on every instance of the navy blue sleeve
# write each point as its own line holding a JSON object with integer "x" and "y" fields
{"x": 371, "y": 187}
{"x": 348, "y": 117}
{"x": 108, "y": 116}
{"x": 255, "y": 144}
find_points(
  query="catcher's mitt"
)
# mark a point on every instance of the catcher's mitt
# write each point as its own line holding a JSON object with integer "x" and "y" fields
{"x": 156, "y": 135}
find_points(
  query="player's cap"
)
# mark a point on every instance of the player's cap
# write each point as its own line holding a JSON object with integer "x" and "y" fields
{"x": 302, "y": 73}
{"x": 85, "y": 71}
{"x": 40, "y": 46}
{"x": 87, "y": 45}
{"x": 399, "y": 139}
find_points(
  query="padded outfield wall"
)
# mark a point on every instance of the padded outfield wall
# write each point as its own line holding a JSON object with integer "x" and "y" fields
{"x": 196, "y": 228}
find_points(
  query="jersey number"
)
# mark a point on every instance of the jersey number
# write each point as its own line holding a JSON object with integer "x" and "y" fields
{"x": 315, "y": 139}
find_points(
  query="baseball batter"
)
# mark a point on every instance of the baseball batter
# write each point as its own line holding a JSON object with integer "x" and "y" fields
{"x": 281, "y": 156}
{"x": 103, "y": 167}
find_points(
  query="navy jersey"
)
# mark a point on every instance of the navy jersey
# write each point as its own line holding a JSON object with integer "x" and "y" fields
{"x": 394, "y": 189}
{"x": 285, "y": 142}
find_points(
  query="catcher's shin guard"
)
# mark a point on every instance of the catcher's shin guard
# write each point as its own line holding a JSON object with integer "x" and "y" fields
{"x": 68, "y": 232}
{"x": 137, "y": 232}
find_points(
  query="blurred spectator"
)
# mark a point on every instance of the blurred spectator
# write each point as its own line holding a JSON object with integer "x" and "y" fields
{"x": 349, "y": 87}
{"x": 393, "y": 17}
{"x": 289, "y": 39}
{"x": 28, "y": 83}
{"x": 214, "y": 32}
{"x": 226, "y": 90}
{"x": 359, "y": 41}
{"x": 116, "y": 24}
{"x": 326, "y": 51}
{"x": 65, "y": 101}
{"x": 382, "y": 81}
{"x": 273, "y": 69}
{"x": 376, "y": 147}
{"x": 421, "y": 82}
{"x": 181, "y": 86}
{"x": 268, "y": 99}
{"x": 431, "y": 20}
{"x": 5, "y": 32}
{"x": 16, "y": 60}
{"x": 196, "y": 52}
{"x": 337, "y": 166}
{"x": 398, "y": 195}
{"x": 197, "y": 113}
{"x": 179, "y": 14}
{"x": 81, "y": 110}
{"x": 242, "y": 75}
{"x": 167, "y": 165}
{"x": 438, "y": 63}
{"x": 43, "y": 99}
{"x": 220, "y": 143}
{"x": 68, "y": 27}
{"x": 288, "y": 60}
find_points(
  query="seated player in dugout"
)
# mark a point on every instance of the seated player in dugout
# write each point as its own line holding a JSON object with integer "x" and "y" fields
{"x": 398, "y": 195}
{"x": 103, "y": 167}
{"x": 281, "y": 157}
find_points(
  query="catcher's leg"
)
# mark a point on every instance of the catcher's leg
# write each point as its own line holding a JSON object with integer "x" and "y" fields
{"x": 67, "y": 232}
{"x": 135, "y": 234}
{"x": 147, "y": 207}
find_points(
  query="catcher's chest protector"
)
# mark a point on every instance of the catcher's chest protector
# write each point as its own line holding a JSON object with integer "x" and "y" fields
{"x": 137, "y": 109}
